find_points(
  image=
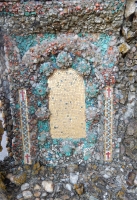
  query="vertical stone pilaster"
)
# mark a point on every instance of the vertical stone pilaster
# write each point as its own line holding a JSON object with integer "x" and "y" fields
{"x": 108, "y": 122}
{"x": 24, "y": 125}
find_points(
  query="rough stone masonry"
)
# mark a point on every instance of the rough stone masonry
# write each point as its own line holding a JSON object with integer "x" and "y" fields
{"x": 59, "y": 60}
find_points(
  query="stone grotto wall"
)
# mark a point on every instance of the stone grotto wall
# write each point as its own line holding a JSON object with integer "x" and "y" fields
{"x": 5, "y": 94}
{"x": 95, "y": 51}
{"x": 97, "y": 40}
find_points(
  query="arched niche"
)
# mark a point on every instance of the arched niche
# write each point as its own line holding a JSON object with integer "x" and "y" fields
{"x": 67, "y": 104}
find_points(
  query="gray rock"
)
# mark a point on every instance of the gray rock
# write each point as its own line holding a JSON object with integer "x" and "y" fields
{"x": 130, "y": 35}
{"x": 132, "y": 88}
{"x": 19, "y": 196}
{"x": 124, "y": 31}
{"x": 68, "y": 186}
{"x": 2, "y": 195}
{"x": 27, "y": 194}
{"x": 73, "y": 178}
{"x": 122, "y": 149}
{"x": 131, "y": 96}
{"x": 108, "y": 175}
{"x": 58, "y": 187}
{"x": 130, "y": 128}
{"x": 44, "y": 194}
{"x": 130, "y": 8}
{"x": 131, "y": 178}
{"x": 92, "y": 198}
{"x": 25, "y": 186}
{"x": 135, "y": 181}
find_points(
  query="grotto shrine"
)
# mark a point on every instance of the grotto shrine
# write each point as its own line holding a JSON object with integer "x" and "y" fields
{"x": 62, "y": 80}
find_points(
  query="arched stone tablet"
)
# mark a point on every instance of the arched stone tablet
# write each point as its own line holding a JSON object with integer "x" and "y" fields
{"x": 67, "y": 104}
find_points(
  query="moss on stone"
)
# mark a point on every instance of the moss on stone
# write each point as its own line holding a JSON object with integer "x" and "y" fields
{"x": 36, "y": 168}
{"x": 124, "y": 48}
{"x": 79, "y": 188}
{"x": 2, "y": 185}
{"x": 19, "y": 180}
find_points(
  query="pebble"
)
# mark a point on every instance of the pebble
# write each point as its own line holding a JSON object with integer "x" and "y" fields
{"x": 37, "y": 194}
{"x": 25, "y": 186}
{"x": 92, "y": 198}
{"x": 27, "y": 194}
{"x": 79, "y": 188}
{"x": 37, "y": 187}
{"x": 68, "y": 186}
{"x": 48, "y": 186}
{"x": 124, "y": 48}
{"x": 44, "y": 194}
{"x": 135, "y": 181}
{"x": 132, "y": 88}
{"x": 65, "y": 197}
{"x": 72, "y": 168}
{"x": 130, "y": 8}
{"x": 19, "y": 196}
{"x": 73, "y": 178}
{"x": 131, "y": 178}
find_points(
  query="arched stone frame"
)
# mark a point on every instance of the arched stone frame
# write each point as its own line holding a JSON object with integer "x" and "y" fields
{"x": 68, "y": 145}
{"x": 74, "y": 58}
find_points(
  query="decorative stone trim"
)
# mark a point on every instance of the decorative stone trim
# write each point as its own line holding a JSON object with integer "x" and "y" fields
{"x": 108, "y": 122}
{"x": 24, "y": 125}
